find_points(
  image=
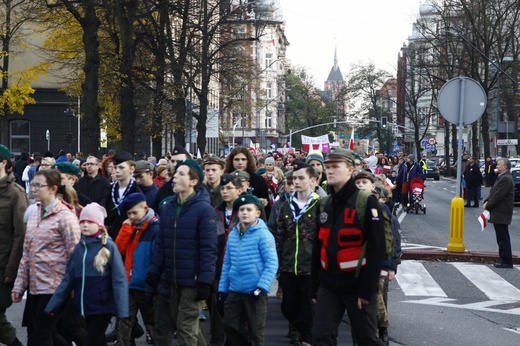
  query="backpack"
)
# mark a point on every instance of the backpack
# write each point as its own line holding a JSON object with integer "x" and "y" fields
{"x": 361, "y": 205}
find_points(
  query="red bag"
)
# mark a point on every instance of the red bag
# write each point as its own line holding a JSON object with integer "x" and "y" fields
{"x": 406, "y": 187}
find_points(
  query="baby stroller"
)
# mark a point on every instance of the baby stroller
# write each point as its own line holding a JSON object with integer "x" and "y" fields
{"x": 417, "y": 195}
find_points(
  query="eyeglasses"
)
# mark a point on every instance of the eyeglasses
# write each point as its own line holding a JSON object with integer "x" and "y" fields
{"x": 45, "y": 165}
{"x": 36, "y": 186}
{"x": 90, "y": 164}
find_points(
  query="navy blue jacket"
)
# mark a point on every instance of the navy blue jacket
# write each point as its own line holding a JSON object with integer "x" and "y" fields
{"x": 94, "y": 293}
{"x": 186, "y": 247}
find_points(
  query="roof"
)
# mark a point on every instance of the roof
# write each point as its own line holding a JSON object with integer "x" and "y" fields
{"x": 335, "y": 74}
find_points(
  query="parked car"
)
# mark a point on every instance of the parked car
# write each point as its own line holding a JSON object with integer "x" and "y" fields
{"x": 432, "y": 170}
{"x": 515, "y": 172}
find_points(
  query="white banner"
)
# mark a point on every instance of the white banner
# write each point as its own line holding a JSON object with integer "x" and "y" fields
{"x": 316, "y": 143}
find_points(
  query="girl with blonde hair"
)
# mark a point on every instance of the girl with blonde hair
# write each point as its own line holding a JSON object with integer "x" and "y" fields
{"x": 97, "y": 276}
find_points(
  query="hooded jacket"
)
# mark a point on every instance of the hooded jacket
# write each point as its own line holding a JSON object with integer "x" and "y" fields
{"x": 250, "y": 261}
{"x": 94, "y": 292}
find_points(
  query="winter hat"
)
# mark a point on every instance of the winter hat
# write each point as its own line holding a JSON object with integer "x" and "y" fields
{"x": 315, "y": 155}
{"x": 260, "y": 171}
{"x": 95, "y": 213}
{"x": 269, "y": 160}
{"x": 411, "y": 157}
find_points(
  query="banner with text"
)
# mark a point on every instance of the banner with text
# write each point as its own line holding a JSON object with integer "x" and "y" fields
{"x": 316, "y": 143}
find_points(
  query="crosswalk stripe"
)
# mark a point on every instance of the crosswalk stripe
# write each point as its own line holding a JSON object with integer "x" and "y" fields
{"x": 415, "y": 280}
{"x": 489, "y": 282}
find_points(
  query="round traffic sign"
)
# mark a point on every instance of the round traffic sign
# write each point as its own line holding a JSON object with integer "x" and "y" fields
{"x": 431, "y": 141}
{"x": 462, "y": 94}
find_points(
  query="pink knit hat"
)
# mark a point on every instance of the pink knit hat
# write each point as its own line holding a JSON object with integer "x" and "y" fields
{"x": 93, "y": 212}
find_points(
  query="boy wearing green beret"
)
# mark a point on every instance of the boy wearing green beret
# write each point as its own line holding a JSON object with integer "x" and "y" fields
{"x": 246, "y": 280}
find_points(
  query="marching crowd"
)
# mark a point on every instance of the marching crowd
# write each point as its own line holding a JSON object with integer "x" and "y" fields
{"x": 86, "y": 239}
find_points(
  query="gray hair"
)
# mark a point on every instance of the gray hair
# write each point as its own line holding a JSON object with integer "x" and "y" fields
{"x": 506, "y": 163}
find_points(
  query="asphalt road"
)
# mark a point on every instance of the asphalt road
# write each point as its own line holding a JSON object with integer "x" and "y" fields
{"x": 431, "y": 303}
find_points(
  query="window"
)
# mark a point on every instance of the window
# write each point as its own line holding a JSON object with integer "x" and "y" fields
{"x": 268, "y": 60}
{"x": 20, "y": 136}
{"x": 268, "y": 121}
{"x": 269, "y": 91}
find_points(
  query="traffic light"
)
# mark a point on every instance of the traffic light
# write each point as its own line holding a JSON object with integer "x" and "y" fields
{"x": 383, "y": 122}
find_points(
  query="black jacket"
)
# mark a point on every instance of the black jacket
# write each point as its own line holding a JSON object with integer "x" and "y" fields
{"x": 337, "y": 215}
{"x": 115, "y": 218}
{"x": 94, "y": 188}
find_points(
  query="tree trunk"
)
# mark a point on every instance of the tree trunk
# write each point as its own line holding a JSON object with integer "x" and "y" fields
{"x": 484, "y": 128}
{"x": 91, "y": 118}
{"x": 474, "y": 140}
{"x": 126, "y": 17}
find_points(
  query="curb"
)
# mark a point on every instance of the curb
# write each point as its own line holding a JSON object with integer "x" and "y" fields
{"x": 445, "y": 256}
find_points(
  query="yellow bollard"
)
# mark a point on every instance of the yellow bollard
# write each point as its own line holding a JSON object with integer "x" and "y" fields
{"x": 457, "y": 226}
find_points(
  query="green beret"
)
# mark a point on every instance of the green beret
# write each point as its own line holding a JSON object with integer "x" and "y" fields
{"x": 192, "y": 164}
{"x": 5, "y": 152}
{"x": 241, "y": 174}
{"x": 67, "y": 168}
{"x": 246, "y": 199}
{"x": 260, "y": 171}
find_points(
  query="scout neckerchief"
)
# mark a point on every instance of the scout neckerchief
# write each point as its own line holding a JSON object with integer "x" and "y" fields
{"x": 296, "y": 216}
{"x": 115, "y": 194}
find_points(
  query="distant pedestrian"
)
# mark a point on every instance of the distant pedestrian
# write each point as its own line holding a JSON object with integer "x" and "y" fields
{"x": 500, "y": 204}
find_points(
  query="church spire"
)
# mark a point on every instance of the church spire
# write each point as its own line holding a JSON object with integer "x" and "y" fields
{"x": 336, "y": 56}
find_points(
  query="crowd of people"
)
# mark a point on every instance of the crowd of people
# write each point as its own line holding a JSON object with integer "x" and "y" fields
{"x": 97, "y": 240}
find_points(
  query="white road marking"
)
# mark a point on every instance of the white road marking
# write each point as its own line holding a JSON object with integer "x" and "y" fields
{"x": 415, "y": 280}
{"x": 483, "y": 306}
{"x": 489, "y": 282}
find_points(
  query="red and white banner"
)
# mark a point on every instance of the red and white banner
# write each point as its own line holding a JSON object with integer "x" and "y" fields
{"x": 483, "y": 219}
{"x": 320, "y": 143}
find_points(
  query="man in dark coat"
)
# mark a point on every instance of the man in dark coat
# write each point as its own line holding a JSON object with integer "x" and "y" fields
{"x": 93, "y": 184}
{"x": 500, "y": 204}
{"x": 19, "y": 166}
{"x": 473, "y": 180}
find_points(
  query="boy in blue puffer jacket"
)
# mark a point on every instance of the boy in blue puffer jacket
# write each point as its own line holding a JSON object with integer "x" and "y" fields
{"x": 250, "y": 266}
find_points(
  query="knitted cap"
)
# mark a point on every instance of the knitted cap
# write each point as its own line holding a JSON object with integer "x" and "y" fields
{"x": 315, "y": 155}
{"x": 269, "y": 160}
{"x": 93, "y": 212}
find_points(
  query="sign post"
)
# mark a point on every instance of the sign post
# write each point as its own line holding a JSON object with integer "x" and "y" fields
{"x": 461, "y": 101}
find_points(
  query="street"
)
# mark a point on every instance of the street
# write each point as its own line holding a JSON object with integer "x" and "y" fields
{"x": 431, "y": 303}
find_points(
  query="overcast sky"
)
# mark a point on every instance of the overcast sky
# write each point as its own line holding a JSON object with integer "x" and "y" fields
{"x": 363, "y": 30}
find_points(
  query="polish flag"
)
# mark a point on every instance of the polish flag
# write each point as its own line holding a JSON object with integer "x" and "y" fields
{"x": 483, "y": 219}
{"x": 351, "y": 142}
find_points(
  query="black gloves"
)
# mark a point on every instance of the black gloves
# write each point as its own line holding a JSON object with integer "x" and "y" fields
{"x": 202, "y": 291}
{"x": 152, "y": 280}
{"x": 257, "y": 293}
